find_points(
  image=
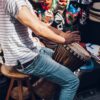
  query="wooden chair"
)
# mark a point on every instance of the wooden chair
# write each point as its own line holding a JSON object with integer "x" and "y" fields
{"x": 19, "y": 78}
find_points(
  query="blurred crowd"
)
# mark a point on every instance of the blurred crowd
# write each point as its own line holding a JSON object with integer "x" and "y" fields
{"x": 69, "y": 15}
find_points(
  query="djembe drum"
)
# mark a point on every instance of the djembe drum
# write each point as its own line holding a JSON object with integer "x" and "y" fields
{"x": 72, "y": 56}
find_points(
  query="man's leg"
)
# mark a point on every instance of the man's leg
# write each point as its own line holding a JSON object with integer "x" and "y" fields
{"x": 45, "y": 66}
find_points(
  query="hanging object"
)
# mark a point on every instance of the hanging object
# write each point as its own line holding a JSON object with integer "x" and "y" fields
{"x": 94, "y": 12}
{"x": 84, "y": 2}
{"x": 71, "y": 14}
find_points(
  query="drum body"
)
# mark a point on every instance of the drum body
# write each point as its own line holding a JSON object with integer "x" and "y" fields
{"x": 72, "y": 56}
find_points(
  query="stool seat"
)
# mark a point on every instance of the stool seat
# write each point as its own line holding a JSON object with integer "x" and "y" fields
{"x": 12, "y": 73}
{"x": 19, "y": 78}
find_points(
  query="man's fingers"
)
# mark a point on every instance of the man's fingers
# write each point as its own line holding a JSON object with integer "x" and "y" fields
{"x": 68, "y": 32}
{"x": 77, "y": 38}
{"x": 75, "y": 32}
{"x": 76, "y": 35}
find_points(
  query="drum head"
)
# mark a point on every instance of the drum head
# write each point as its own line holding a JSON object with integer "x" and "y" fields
{"x": 80, "y": 51}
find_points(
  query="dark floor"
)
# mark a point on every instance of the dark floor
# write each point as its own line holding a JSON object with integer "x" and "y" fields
{"x": 91, "y": 94}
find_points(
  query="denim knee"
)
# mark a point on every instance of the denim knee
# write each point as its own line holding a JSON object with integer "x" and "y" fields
{"x": 76, "y": 81}
{"x": 73, "y": 82}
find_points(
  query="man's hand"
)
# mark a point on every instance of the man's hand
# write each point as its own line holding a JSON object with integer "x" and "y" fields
{"x": 71, "y": 36}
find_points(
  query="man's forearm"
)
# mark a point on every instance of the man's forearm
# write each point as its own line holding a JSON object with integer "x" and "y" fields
{"x": 59, "y": 32}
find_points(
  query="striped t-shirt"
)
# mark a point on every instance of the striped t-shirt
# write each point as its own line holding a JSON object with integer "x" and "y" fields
{"x": 14, "y": 37}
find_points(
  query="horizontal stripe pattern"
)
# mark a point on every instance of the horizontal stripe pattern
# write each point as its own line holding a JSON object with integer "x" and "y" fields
{"x": 14, "y": 37}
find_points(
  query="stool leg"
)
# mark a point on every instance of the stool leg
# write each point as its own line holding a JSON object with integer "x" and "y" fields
{"x": 30, "y": 89}
{"x": 9, "y": 90}
{"x": 20, "y": 90}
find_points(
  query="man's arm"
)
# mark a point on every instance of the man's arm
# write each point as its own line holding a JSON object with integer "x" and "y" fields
{"x": 29, "y": 19}
{"x": 69, "y": 36}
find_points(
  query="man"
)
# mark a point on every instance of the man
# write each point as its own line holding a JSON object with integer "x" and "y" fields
{"x": 15, "y": 17}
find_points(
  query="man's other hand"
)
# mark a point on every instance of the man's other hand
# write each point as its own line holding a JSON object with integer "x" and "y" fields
{"x": 71, "y": 37}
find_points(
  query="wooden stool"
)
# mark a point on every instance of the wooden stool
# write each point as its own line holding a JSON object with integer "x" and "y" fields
{"x": 18, "y": 77}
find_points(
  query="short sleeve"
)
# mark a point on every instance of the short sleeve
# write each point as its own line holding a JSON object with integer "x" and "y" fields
{"x": 12, "y": 7}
